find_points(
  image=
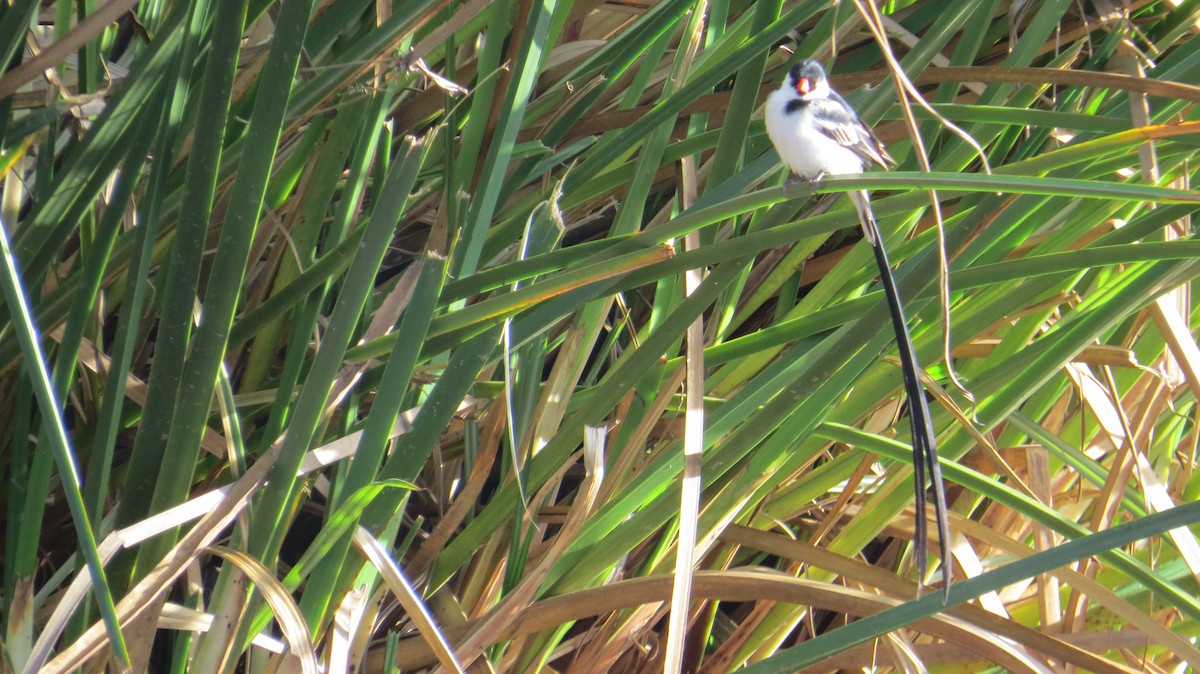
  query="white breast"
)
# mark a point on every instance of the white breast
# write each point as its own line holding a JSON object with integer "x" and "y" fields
{"x": 802, "y": 148}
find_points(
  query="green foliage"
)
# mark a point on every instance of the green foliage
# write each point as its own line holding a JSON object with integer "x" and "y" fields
{"x": 317, "y": 307}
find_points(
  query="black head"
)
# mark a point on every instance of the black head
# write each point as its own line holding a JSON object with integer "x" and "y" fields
{"x": 806, "y": 76}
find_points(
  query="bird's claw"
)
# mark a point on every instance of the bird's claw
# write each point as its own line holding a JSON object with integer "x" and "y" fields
{"x": 814, "y": 184}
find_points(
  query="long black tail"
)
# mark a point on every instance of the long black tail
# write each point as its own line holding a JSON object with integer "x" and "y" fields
{"x": 924, "y": 442}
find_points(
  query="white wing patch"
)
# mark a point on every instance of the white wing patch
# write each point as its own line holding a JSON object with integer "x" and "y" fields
{"x": 850, "y": 132}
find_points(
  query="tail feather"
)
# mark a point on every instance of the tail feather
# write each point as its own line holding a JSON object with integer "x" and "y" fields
{"x": 924, "y": 441}
{"x": 862, "y": 204}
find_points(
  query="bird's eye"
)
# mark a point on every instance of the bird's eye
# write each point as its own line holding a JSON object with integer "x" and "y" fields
{"x": 804, "y": 86}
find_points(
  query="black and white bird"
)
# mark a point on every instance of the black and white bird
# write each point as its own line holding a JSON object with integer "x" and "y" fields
{"x": 818, "y": 134}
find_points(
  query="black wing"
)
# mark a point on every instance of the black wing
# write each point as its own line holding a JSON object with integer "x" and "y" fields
{"x": 836, "y": 119}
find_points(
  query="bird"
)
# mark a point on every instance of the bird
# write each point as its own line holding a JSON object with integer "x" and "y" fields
{"x": 817, "y": 134}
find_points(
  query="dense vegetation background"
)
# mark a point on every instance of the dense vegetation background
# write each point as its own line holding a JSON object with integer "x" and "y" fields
{"x": 356, "y": 336}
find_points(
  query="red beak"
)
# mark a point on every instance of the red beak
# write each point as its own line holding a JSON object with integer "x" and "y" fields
{"x": 804, "y": 86}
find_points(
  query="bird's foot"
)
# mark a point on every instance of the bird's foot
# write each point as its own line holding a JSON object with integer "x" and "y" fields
{"x": 813, "y": 184}
{"x": 815, "y": 181}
